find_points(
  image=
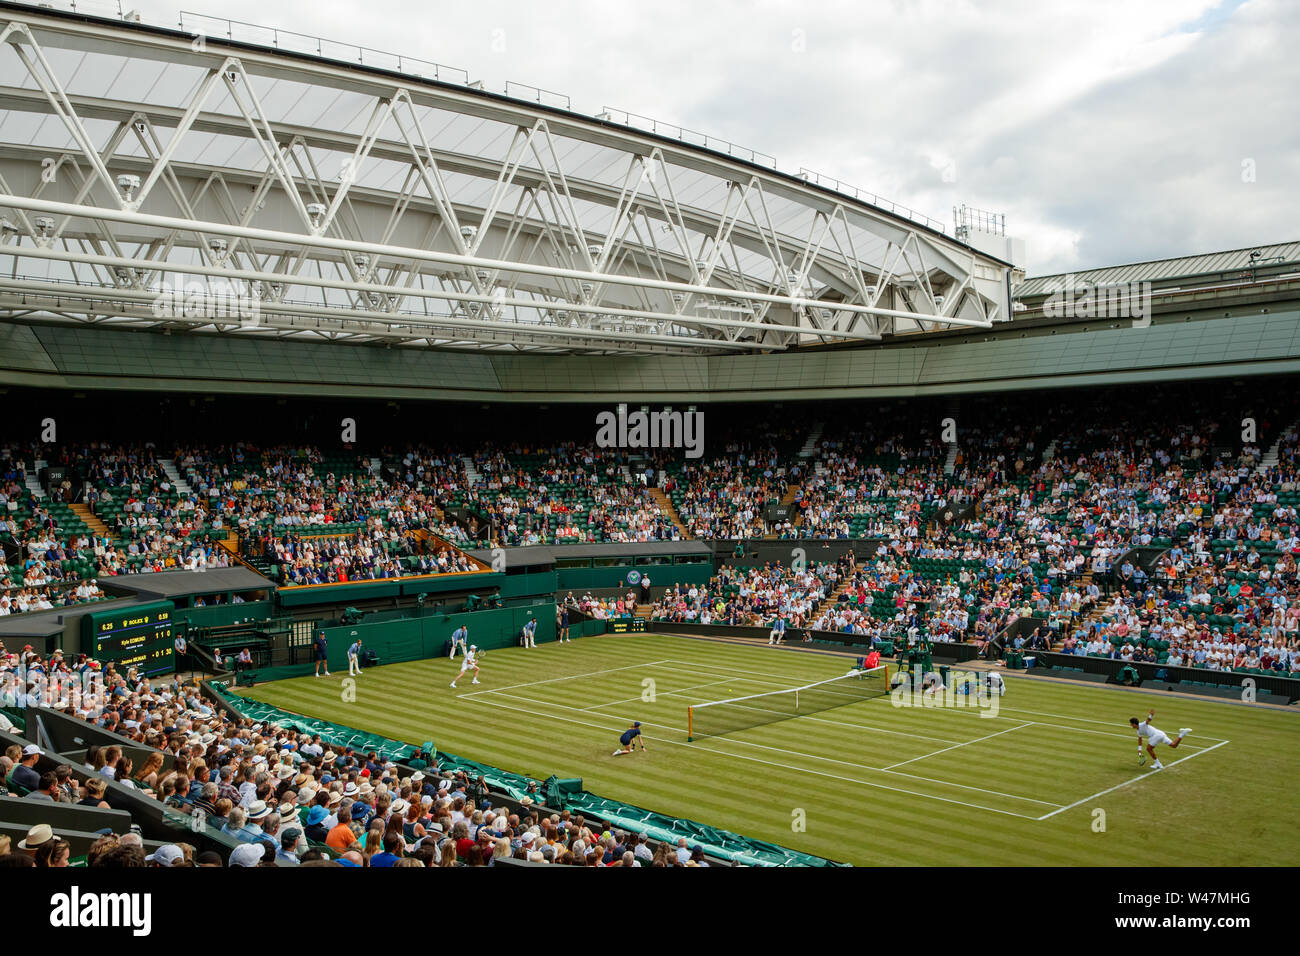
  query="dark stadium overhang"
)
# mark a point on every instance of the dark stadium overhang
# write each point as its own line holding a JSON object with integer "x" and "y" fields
{"x": 546, "y": 555}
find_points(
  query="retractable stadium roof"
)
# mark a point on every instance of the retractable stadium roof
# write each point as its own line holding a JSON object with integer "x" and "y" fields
{"x": 187, "y": 179}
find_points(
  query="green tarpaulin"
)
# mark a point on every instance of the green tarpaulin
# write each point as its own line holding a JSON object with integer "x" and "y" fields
{"x": 558, "y": 794}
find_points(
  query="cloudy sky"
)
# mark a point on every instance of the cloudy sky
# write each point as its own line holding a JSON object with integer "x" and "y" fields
{"x": 1106, "y": 131}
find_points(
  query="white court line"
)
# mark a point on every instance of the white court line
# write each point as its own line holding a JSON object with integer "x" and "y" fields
{"x": 1089, "y": 720}
{"x": 554, "y": 680}
{"x": 1013, "y": 710}
{"x": 780, "y": 750}
{"x": 955, "y": 746}
{"x": 666, "y": 693}
{"x": 1102, "y": 793}
{"x": 1045, "y": 723}
{"x": 772, "y": 763}
{"x": 844, "y": 723}
{"x": 821, "y": 720}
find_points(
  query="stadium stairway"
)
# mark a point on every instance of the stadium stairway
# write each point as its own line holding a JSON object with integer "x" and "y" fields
{"x": 1270, "y": 457}
{"x": 1096, "y": 614}
{"x": 787, "y": 500}
{"x": 829, "y": 601}
{"x": 666, "y": 506}
{"x": 32, "y": 483}
{"x": 950, "y": 463}
{"x": 809, "y": 448}
{"x": 174, "y": 476}
{"x": 83, "y": 512}
{"x": 471, "y": 473}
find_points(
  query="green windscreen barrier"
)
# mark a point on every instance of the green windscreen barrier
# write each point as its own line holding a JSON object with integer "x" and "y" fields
{"x": 336, "y": 735}
{"x": 558, "y": 794}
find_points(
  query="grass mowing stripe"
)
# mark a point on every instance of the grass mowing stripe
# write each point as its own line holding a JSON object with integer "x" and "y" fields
{"x": 771, "y": 763}
{"x": 920, "y": 815}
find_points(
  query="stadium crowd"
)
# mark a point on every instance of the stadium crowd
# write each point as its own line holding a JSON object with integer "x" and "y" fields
{"x": 286, "y": 798}
{"x": 1132, "y": 528}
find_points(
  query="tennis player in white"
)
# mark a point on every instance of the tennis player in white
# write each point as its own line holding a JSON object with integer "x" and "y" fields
{"x": 1149, "y": 737}
{"x": 469, "y": 662}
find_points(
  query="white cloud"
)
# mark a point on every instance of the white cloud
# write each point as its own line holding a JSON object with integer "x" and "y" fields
{"x": 1105, "y": 130}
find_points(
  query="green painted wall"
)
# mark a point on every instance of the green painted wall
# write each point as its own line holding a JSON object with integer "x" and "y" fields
{"x": 420, "y": 638}
{"x": 615, "y": 576}
{"x": 222, "y": 614}
{"x": 528, "y": 584}
{"x": 345, "y": 593}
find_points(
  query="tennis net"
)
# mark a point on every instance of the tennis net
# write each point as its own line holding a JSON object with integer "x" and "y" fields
{"x": 718, "y": 717}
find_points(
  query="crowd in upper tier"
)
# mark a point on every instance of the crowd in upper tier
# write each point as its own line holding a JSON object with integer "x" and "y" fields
{"x": 1163, "y": 499}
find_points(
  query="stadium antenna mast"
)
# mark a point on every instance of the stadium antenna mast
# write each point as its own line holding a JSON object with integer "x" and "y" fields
{"x": 987, "y": 232}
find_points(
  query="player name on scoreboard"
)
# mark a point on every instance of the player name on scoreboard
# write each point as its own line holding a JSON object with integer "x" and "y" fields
{"x": 139, "y": 637}
{"x": 626, "y": 626}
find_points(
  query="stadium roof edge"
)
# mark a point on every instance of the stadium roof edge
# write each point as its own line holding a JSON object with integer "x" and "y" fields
{"x": 788, "y": 177}
{"x": 1210, "y": 263}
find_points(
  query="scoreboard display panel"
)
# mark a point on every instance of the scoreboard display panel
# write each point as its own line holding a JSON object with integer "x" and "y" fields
{"x": 139, "y": 637}
{"x": 624, "y": 626}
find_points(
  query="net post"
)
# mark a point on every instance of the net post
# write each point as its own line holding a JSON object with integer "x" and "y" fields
{"x": 690, "y": 723}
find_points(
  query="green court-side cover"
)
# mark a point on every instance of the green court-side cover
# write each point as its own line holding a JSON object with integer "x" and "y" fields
{"x": 558, "y": 794}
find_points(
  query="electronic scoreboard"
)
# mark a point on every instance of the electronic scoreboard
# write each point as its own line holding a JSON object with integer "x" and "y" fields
{"x": 139, "y": 637}
{"x": 623, "y": 625}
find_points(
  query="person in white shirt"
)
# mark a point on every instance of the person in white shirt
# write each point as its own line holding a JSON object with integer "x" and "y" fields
{"x": 468, "y": 662}
{"x": 1149, "y": 737}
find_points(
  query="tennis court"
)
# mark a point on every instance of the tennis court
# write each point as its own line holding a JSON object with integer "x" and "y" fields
{"x": 948, "y": 754}
{"x": 867, "y": 782}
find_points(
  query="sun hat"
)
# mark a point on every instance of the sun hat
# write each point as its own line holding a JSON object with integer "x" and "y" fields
{"x": 39, "y": 834}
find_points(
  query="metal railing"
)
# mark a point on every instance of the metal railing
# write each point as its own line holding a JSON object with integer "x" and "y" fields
{"x": 200, "y": 25}
{"x": 691, "y": 137}
{"x": 93, "y": 8}
{"x": 965, "y": 218}
{"x": 898, "y": 209}
{"x": 535, "y": 94}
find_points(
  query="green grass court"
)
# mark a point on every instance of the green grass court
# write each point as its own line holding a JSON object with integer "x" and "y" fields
{"x": 878, "y": 784}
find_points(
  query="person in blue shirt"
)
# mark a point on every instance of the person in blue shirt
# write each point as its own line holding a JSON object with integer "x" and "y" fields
{"x": 392, "y": 851}
{"x": 318, "y": 653}
{"x": 287, "y": 851}
{"x": 354, "y": 658}
{"x": 629, "y": 738}
{"x": 777, "y": 634}
{"x": 459, "y": 638}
